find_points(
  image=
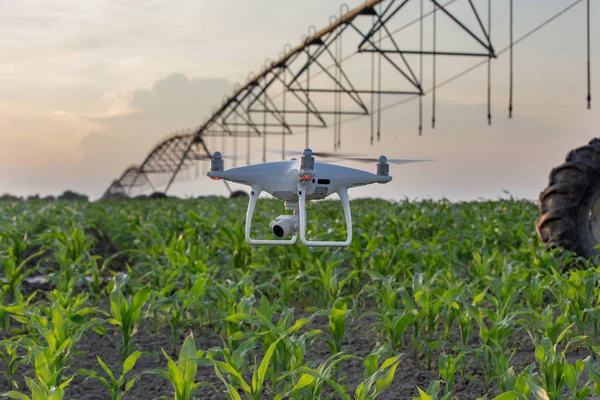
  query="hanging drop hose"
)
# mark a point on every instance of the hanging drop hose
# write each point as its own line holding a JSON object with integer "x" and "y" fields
{"x": 339, "y": 130}
{"x": 235, "y": 140}
{"x": 308, "y": 96}
{"x": 589, "y": 73}
{"x": 335, "y": 98}
{"x": 489, "y": 94}
{"x": 421, "y": 72}
{"x": 248, "y": 145}
{"x": 510, "y": 90}
{"x": 265, "y": 133}
{"x": 284, "y": 119}
{"x": 433, "y": 100}
{"x": 379, "y": 87}
{"x": 373, "y": 90}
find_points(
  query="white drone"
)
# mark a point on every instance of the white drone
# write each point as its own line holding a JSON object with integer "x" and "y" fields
{"x": 296, "y": 182}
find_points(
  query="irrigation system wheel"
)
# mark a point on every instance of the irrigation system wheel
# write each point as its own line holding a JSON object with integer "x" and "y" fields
{"x": 570, "y": 205}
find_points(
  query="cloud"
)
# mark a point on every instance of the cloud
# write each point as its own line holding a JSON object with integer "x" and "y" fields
{"x": 50, "y": 150}
{"x": 174, "y": 102}
{"x": 35, "y": 141}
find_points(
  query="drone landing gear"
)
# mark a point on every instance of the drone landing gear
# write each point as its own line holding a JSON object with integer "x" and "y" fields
{"x": 343, "y": 193}
{"x": 256, "y": 191}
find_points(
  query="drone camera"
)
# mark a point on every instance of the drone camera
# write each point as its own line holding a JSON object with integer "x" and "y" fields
{"x": 284, "y": 226}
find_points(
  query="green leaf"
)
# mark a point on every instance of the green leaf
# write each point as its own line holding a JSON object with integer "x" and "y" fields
{"x": 130, "y": 383}
{"x": 105, "y": 368}
{"x": 14, "y": 395}
{"x": 55, "y": 394}
{"x": 424, "y": 396}
{"x": 175, "y": 375}
{"x": 235, "y": 318}
{"x": 130, "y": 361}
{"x": 477, "y": 299}
{"x": 392, "y": 360}
{"x": 63, "y": 385}
{"x": 538, "y": 392}
{"x": 259, "y": 378}
{"x": 508, "y": 396}
{"x": 334, "y": 385}
{"x": 361, "y": 391}
{"x": 570, "y": 376}
{"x": 231, "y": 392}
{"x": 370, "y": 364}
{"x": 386, "y": 380}
{"x": 510, "y": 378}
{"x": 139, "y": 299}
{"x": 230, "y": 370}
{"x": 564, "y": 332}
{"x": 188, "y": 350}
{"x": 304, "y": 381}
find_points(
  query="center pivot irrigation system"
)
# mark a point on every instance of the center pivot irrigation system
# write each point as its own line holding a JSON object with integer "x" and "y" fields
{"x": 343, "y": 72}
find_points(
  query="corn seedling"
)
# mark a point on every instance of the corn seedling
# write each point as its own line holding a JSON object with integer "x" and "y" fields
{"x": 182, "y": 374}
{"x": 555, "y": 372}
{"x": 448, "y": 366}
{"x": 117, "y": 386}
{"x": 126, "y": 312}
{"x": 57, "y": 333}
{"x": 13, "y": 266}
{"x": 378, "y": 379}
{"x": 515, "y": 387}
{"x": 39, "y": 391}
{"x": 432, "y": 393}
{"x": 9, "y": 355}
{"x": 594, "y": 374}
{"x": 233, "y": 380}
{"x": 312, "y": 381}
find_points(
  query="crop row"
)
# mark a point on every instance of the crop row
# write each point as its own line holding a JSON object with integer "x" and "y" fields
{"x": 461, "y": 292}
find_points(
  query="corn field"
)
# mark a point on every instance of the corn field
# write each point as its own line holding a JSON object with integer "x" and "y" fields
{"x": 165, "y": 299}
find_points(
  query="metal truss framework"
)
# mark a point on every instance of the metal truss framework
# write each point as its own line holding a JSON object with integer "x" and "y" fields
{"x": 282, "y": 99}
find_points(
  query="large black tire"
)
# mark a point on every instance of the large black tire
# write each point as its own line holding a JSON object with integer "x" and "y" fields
{"x": 158, "y": 195}
{"x": 238, "y": 193}
{"x": 566, "y": 204}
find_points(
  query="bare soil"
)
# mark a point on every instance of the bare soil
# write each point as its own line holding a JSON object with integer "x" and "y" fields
{"x": 359, "y": 341}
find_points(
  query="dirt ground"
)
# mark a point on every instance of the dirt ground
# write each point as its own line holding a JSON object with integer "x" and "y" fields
{"x": 359, "y": 341}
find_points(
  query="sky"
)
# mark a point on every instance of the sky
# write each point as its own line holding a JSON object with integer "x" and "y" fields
{"x": 90, "y": 87}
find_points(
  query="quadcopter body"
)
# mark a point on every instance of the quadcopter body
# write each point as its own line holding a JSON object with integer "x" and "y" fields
{"x": 281, "y": 178}
{"x": 297, "y": 181}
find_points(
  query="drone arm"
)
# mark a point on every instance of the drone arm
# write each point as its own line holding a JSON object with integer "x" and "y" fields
{"x": 254, "y": 193}
{"x": 343, "y": 193}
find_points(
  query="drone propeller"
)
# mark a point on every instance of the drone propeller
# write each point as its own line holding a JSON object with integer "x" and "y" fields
{"x": 202, "y": 156}
{"x": 349, "y": 157}
{"x": 389, "y": 160}
{"x": 324, "y": 154}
